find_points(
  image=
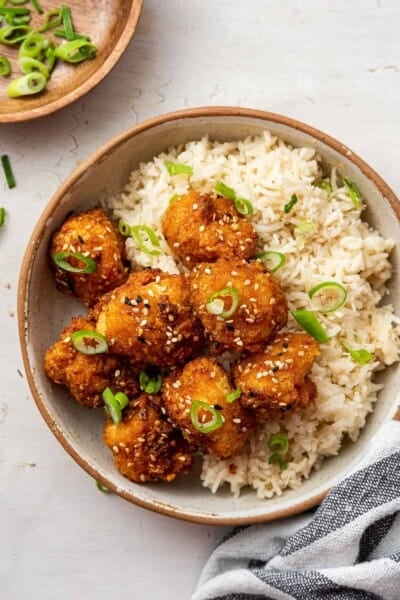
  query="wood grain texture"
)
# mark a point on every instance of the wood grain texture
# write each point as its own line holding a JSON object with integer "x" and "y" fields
{"x": 110, "y": 25}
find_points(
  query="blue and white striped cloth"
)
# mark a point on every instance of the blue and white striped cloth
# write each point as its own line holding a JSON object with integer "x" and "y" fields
{"x": 349, "y": 549}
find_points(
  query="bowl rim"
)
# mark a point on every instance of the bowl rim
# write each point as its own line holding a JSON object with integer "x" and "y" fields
{"x": 91, "y": 82}
{"x": 38, "y": 232}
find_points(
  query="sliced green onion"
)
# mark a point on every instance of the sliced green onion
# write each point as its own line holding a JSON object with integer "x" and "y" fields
{"x": 212, "y": 424}
{"x": 150, "y": 385}
{"x": 5, "y": 66}
{"x": 14, "y": 34}
{"x": 305, "y": 226}
{"x": 102, "y": 488}
{"x": 33, "y": 45}
{"x": 16, "y": 2}
{"x": 67, "y": 22}
{"x": 137, "y": 232}
{"x": 52, "y": 19}
{"x": 62, "y": 261}
{"x": 13, "y": 12}
{"x": 50, "y": 55}
{"x": 225, "y": 191}
{"x": 234, "y": 395}
{"x": 76, "y": 51}
{"x": 77, "y": 36}
{"x": 216, "y": 302}
{"x": 124, "y": 228}
{"x": 174, "y": 168}
{"x": 276, "y": 458}
{"x": 173, "y": 198}
{"x": 273, "y": 260}
{"x": 243, "y": 206}
{"x": 88, "y": 341}
{"x": 288, "y": 207}
{"x": 37, "y": 6}
{"x": 8, "y": 173}
{"x": 122, "y": 399}
{"x": 29, "y": 84}
{"x": 324, "y": 184}
{"x": 361, "y": 356}
{"x": 309, "y": 322}
{"x": 22, "y": 20}
{"x": 112, "y": 404}
{"x": 353, "y": 192}
{"x": 330, "y": 295}
{"x": 279, "y": 443}
{"x": 32, "y": 65}
{"x": 2, "y": 216}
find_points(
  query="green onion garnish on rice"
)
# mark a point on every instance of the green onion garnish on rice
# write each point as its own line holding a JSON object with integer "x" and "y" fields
{"x": 273, "y": 260}
{"x": 140, "y": 233}
{"x": 124, "y": 228}
{"x": 304, "y": 226}
{"x": 324, "y": 184}
{"x": 278, "y": 444}
{"x": 361, "y": 356}
{"x": 330, "y": 296}
{"x": 353, "y": 192}
{"x": 309, "y": 322}
{"x": 174, "y": 168}
{"x": 293, "y": 200}
{"x": 243, "y": 206}
{"x": 200, "y": 413}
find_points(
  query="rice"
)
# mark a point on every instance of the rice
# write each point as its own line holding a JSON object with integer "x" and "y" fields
{"x": 335, "y": 244}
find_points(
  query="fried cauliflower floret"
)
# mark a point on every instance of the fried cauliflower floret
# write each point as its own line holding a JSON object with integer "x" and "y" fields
{"x": 203, "y": 228}
{"x": 93, "y": 235}
{"x": 261, "y": 304}
{"x": 150, "y": 318}
{"x": 276, "y": 379}
{"x": 146, "y": 447}
{"x": 204, "y": 380}
{"x": 86, "y": 376}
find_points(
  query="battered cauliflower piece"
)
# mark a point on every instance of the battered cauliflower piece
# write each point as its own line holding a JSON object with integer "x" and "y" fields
{"x": 145, "y": 446}
{"x": 241, "y": 305}
{"x": 150, "y": 318}
{"x": 276, "y": 379}
{"x": 204, "y": 380}
{"x": 203, "y": 228}
{"x": 86, "y": 376}
{"x": 93, "y": 235}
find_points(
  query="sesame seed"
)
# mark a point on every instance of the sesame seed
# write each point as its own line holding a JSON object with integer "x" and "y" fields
{"x": 237, "y": 420}
{"x": 115, "y": 449}
{"x": 272, "y": 301}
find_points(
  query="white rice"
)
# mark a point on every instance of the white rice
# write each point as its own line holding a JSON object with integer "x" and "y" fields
{"x": 340, "y": 247}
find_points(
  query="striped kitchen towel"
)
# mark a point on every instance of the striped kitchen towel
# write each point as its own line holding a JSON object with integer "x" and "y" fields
{"x": 349, "y": 549}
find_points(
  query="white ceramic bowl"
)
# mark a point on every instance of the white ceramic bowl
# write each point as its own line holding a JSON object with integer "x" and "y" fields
{"x": 43, "y": 311}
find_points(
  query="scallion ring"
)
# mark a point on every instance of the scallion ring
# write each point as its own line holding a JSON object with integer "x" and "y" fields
{"x": 279, "y": 443}
{"x": 304, "y": 226}
{"x": 76, "y": 51}
{"x": 62, "y": 261}
{"x": 361, "y": 356}
{"x": 174, "y": 168}
{"x": 137, "y": 232}
{"x": 112, "y": 404}
{"x": 33, "y": 45}
{"x": 216, "y": 302}
{"x": 29, "y": 84}
{"x": 5, "y": 66}
{"x": 324, "y": 184}
{"x": 225, "y": 191}
{"x": 276, "y": 458}
{"x": 293, "y": 200}
{"x": 202, "y": 424}
{"x": 52, "y": 19}
{"x": 234, "y": 395}
{"x": 150, "y": 385}
{"x": 329, "y": 294}
{"x": 353, "y": 192}
{"x": 124, "y": 228}
{"x": 309, "y": 322}
{"x": 243, "y": 206}
{"x": 122, "y": 399}
{"x": 87, "y": 341}
{"x": 273, "y": 260}
{"x": 32, "y": 65}
{"x": 14, "y": 34}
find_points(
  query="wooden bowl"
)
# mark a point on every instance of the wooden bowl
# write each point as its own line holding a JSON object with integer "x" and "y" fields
{"x": 110, "y": 25}
{"x": 42, "y": 311}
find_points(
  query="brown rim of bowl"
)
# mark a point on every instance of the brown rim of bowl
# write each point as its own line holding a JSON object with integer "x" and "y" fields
{"x": 91, "y": 82}
{"x": 211, "y": 111}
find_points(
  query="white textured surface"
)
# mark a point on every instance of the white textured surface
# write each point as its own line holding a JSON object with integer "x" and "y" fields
{"x": 332, "y": 63}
